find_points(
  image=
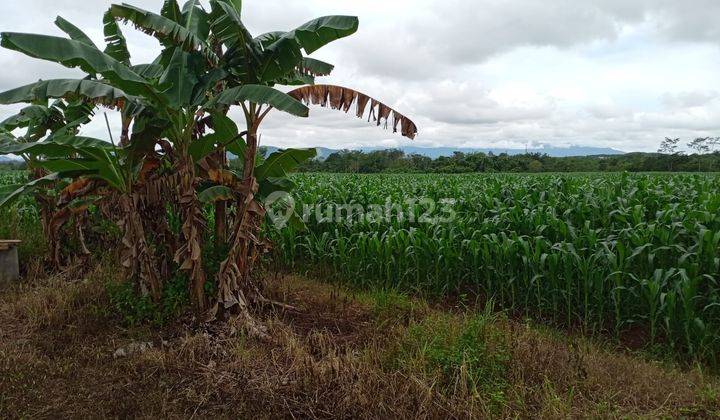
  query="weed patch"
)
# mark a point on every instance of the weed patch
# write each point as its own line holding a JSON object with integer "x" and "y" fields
{"x": 467, "y": 357}
{"x": 136, "y": 309}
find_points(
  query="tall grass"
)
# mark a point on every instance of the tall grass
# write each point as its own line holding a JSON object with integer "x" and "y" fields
{"x": 606, "y": 252}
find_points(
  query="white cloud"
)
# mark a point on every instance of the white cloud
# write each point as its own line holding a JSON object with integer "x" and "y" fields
{"x": 612, "y": 73}
{"x": 692, "y": 99}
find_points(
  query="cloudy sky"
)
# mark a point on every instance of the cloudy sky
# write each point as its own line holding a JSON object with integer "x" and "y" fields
{"x": 472, "y": 73}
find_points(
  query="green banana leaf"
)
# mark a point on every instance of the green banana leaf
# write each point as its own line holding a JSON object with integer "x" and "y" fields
{"x": 116, "y": 44}
{"x": 196, "y": 19}
{"x": 216, "y": 193}
{"x": 227, "y": 25}
{"x": 168, "y": 32}
{"x": 171, "y": 10}
{"x": 271, "y": 57}
{"x": 105, "y": 168}
{"x": 316, "y": 67}
{"x": 71, "y": 53}
{"x": 73, "y": 31}
{"x": 282, "y": 51}
{"x": 70, "y": 89}
{"x": 26, "y": 116}
{"x": 59, "y": 146}
{"x": 225, "y": 133}
{"x": 272, "y": 184}
{"x": 259, "y": 94}
{"x": 280, "y": 163}
{"x": 319, "y": 32}
{"x": 242, "y": 53}
{"x": 181, "y": 75}
{"x": 149, "y": 71}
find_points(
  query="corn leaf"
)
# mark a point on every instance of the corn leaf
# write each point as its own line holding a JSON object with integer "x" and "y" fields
{"x": 9, "y": 193}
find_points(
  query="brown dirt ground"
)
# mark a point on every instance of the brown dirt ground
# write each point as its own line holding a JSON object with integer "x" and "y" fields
{"x": 332, "y": 357}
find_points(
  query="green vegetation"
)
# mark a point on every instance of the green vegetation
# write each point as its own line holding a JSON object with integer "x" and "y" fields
{"x": 617, "y": 254}
{"x": 469, "y": 356}
{"x": 170, "y": 159}
{"x": 136, "y": 309}
{"x": 611, "y": 254}
{"x": 22, "y": 220}
{"x": 121, "y": 238}
{"x": 396, "y": 161}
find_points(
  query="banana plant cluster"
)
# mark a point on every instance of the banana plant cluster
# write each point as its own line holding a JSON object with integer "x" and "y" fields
{"x": 56, "y": 205}
{"x": 170, "y": 157}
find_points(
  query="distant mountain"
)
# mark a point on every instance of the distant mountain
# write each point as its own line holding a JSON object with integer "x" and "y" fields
{"x": 436, "y": 152}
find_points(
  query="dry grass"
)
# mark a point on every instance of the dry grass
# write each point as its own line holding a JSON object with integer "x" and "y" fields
{"x": 338, "y": 356}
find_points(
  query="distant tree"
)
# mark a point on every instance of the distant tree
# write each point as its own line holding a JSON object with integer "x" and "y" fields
{"x": 701, "y": 146}
{"x": 714, "y": 144}
{"x": 535, "y": 166}
{"x": 420, "y": 163}
{"x": 395, "y": 161}
{"x": 670, "y": 147}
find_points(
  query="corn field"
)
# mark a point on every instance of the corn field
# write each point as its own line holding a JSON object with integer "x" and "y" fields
{"x": 24, "y": 212}
{"x": 609, "y": 253}
{"x": 22, "y": 219}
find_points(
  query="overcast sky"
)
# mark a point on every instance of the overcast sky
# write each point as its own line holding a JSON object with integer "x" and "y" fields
{"x": 471, "y": 73}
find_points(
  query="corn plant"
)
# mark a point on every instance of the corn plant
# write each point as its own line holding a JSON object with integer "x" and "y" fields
{"x": 607, "y": 252}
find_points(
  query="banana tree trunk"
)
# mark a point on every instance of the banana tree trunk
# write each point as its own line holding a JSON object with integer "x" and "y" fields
{"x": 46, "y": 204}
{"x": 221, "y": 228}
{"x": 189, "y": 255}
{"x": 232, "y": 277}
{"x": 139, "y": 258}
{"x": 80, "y": 220}
{"x": 163, "y": 239}
{"x": 58, "y": 219}
{"x": 236, "y": 289}
{"x": 125, "y": 132}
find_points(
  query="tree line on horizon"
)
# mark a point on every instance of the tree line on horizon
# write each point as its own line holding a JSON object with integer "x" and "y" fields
{"x": 668, "y": 159}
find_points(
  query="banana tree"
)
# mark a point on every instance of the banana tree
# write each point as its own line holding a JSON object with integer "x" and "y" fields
{"x": 276, "y": 58}
{"x": 242, "y": 71}
{"x": 31, "y": 124}
{"x": 197, "y": 75}
{"x": 175, "y": 111}
{"x": 216, "y": 53}
{"x": 97, "y": 169}
{"x": 168, "y": 102}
